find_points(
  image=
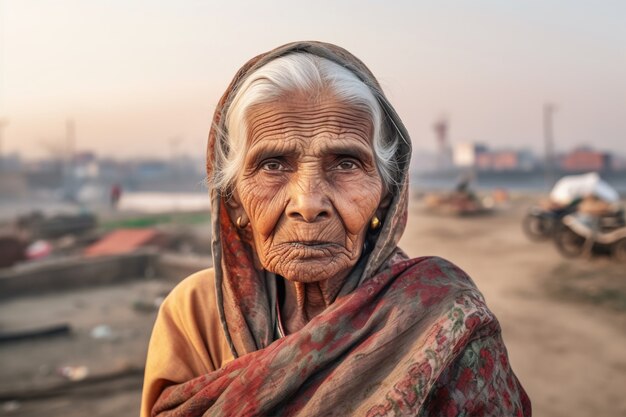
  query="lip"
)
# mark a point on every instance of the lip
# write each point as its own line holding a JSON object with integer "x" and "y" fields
{"x": 313, "y": 244}
{"x": 307, "y": 250}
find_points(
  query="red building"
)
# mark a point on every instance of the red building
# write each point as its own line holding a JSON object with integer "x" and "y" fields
{"x": 504, "y": 160}
{"x": 586, "y": 159}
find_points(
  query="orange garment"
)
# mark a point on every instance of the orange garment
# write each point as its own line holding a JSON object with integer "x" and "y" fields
{"x": 187, "y": 339}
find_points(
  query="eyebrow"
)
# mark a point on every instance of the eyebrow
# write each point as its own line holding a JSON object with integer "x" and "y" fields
{"x": 355, "y": 150}
{"x": 261, "y": 154}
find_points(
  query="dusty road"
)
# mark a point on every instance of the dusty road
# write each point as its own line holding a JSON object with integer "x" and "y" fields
{"x": 570, "y": 356}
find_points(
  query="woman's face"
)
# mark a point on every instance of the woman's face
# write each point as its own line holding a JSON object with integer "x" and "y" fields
{"x": 309, "y": 186}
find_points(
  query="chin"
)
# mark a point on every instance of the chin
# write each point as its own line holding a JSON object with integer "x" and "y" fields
{"x": 308, "y": 272}
{"x": 309, "y": 263}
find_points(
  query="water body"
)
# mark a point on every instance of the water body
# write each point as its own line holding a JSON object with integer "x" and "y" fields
{"x": 532, "y": 181}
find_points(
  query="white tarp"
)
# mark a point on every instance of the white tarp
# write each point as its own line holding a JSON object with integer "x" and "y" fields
{"x": 571, "y": 187}
{"x": 154, "y": 202}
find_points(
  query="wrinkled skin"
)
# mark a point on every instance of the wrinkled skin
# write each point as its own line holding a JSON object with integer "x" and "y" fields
{"x": 309, "y": 188}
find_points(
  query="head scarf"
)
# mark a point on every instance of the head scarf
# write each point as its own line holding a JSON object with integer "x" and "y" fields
{"x": 245, "y": 298}
{"x": 403, "y": 337}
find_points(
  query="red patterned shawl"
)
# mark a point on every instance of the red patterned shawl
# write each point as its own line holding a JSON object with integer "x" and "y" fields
{"x": 404, "y": 337}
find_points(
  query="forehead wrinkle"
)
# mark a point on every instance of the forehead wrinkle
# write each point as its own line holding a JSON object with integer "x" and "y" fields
{"x": 325, "y": 131}
{"x": 311, "y": 106}
{"x": 314, "y": 116}
{"x": 308, "y": 105}
{"x": 282, "y": 118}
{"x": 306, "y": 118}
{"x": 342, "y": 144}
{"x": 301, "y": 128}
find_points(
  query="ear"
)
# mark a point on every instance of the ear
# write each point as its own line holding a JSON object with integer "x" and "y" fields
{"x": 384, "y": 204}
{"x": 233, "y": 204}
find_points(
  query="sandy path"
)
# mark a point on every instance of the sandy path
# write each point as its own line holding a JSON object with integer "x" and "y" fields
{"x": 570, "y": 357}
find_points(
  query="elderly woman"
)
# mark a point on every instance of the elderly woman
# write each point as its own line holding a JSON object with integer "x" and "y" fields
{"x": 311, "y": 308}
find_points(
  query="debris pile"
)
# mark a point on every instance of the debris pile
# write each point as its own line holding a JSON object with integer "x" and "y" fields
{"x": 464, "y": 201}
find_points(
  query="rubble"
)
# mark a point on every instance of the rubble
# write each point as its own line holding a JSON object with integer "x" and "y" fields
{"x": 99, "y": 289}
{"x": 43, "y": 227}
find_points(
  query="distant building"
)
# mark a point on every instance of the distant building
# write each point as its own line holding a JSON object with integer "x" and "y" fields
{"x": 618, "y": 163}
{"x": 505, "y": 160}
{"x": 85, "y": 166}
{"x": 586, "y": 159}
{"x": 151, "y": 169}
{"x": 466, "y": 154}
{"x": 478, "y": 156}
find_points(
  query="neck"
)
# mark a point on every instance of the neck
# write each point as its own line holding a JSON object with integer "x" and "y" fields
{"x": 304, "y": 301}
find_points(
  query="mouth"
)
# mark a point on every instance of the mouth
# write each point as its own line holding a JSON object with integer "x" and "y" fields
{"x": 312, "y": 244}
{"x": 311, "y": 249}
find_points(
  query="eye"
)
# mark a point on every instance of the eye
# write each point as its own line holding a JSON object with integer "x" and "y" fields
{"x": 272, "y": 165}
{"x": 346, "y": 164}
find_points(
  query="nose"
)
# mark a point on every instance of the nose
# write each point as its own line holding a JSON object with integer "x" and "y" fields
{"x": 308, "y": 201}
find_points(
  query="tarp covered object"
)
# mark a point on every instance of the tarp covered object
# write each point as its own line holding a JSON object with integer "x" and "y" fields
{"x": 572, "y": 187}
{"x": 122, "y": 241}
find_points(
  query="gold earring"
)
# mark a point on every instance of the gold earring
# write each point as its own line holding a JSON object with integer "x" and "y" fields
{"x": 374, "y": 223}
{"x": 241, "y": 223}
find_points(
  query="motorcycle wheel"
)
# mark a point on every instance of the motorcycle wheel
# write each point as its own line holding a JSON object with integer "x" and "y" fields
{"x": 536, "y": 228}
{"x": 618, "y": 250}
{"x": 569, "y": 243}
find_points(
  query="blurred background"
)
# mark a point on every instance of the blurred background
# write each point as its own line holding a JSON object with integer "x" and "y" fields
{"x": 517, "y": 112}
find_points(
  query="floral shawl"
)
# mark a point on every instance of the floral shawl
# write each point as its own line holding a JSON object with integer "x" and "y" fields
{"x": 404, "y": 337}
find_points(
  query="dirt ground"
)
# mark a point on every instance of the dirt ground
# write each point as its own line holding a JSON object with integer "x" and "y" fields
{"x": 110, "y": 328}
{"x": 564, "y": 323}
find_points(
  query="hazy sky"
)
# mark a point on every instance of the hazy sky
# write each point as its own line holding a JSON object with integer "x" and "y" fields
{"x": 134, "y": 74}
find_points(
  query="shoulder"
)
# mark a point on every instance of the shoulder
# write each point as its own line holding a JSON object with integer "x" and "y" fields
{"x": 190, "y": 311}
{"x": 463, "y": 306}
{"x": 200, "y": 281}
{"x": 189, "y": 322}
{"x": 437, "y": 269}
{"x": 432, "y": 274}
{"x": 194, "y": 292}
{"x": 447, "y": 294}
{"x": 187, "y": 340}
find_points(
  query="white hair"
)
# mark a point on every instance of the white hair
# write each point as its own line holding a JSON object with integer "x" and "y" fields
{"x": 299, "y": 72}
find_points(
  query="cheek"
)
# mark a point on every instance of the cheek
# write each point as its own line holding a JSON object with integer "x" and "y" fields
{"x": 263, "y": 204}
{"x": 356, "y": 203}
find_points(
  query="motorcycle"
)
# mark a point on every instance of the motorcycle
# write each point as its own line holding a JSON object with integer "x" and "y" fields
{"x": 581, "y": 234}
{"x": 539, "y": 224}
